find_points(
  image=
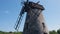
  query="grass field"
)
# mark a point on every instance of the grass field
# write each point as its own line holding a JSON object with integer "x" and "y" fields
{"x": 1, "y": 32}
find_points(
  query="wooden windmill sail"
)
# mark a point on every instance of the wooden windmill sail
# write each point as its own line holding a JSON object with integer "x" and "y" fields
{"x": 34, "y": 23}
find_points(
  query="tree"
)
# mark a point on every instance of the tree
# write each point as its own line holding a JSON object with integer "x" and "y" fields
{"x": 58, "y": 31}
{"x": 53, "y": 32}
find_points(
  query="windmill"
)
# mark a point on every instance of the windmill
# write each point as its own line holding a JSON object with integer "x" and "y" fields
{"x": 34, "y": 23}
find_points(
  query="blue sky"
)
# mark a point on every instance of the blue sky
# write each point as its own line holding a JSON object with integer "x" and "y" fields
{"x": 9, "y": 10}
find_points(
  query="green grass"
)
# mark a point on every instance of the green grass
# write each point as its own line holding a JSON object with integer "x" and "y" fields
{"x": 1, "y": 32}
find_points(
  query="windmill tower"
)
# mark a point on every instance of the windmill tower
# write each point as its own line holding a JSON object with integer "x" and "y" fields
{"x": 34, "y": 23}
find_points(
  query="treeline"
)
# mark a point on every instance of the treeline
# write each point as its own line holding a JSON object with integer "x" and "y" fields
{"x": 55, "y": 32}
{"x": 50, "y": 32}
{"x": 1, "y": 32}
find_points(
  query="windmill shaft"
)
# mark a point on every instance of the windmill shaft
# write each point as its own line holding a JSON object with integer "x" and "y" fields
{"x": 27, "y": 0}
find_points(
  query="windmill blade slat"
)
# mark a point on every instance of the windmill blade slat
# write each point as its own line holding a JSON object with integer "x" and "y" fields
{"x": 19, "y": 19}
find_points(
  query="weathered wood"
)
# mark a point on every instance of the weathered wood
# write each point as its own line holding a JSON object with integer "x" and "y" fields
{"x": 35, "y": 22}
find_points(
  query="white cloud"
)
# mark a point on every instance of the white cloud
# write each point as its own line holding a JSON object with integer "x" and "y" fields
{"x": 7, "y": 12}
